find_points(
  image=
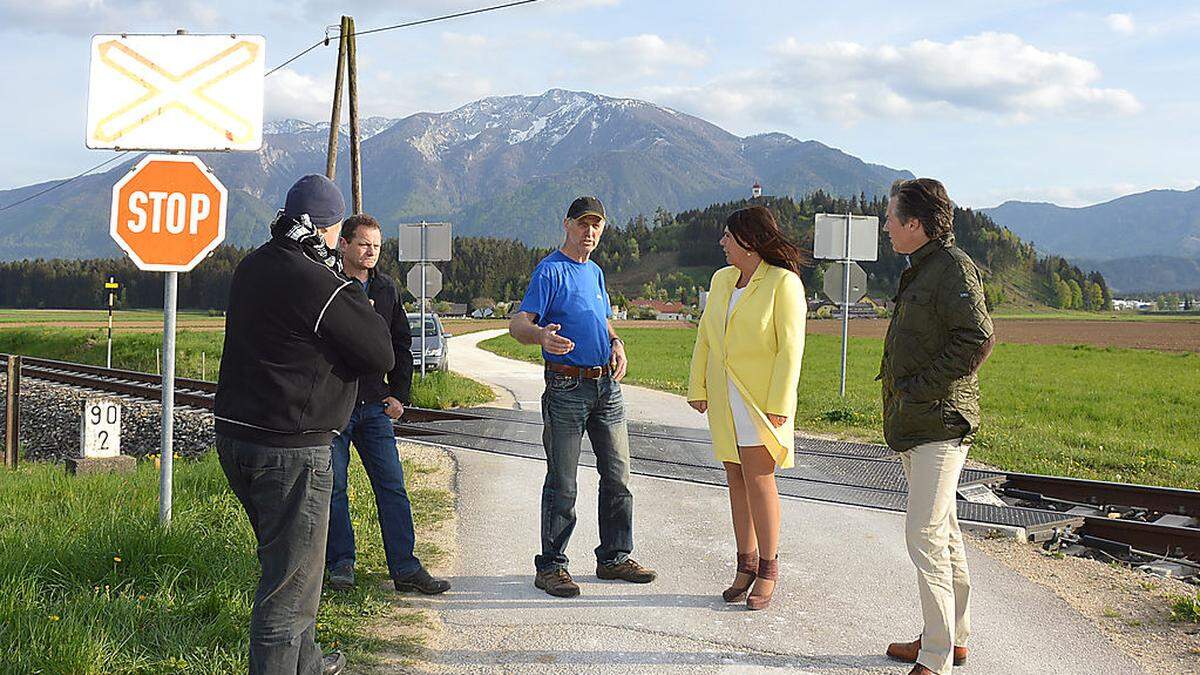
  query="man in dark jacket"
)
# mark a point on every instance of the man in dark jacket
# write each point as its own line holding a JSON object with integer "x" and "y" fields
{"x": 370, "y": 428}
{"x": 298, "y": 335}
{"x": 938, "y": 338}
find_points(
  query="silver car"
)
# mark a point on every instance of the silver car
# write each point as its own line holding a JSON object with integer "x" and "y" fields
{"x": 436, "y": 344}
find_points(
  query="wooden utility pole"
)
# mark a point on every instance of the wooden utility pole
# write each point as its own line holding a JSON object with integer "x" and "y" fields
{"x": 12, "y": 411}
{"x": 355, "y": 159}
{"x": 335, "y": 120}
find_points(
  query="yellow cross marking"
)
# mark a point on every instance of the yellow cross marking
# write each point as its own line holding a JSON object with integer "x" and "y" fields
{"x": 166, "y": 91}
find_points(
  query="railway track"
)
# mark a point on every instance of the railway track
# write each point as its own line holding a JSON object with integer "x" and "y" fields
{"x": 1118, "y": 518}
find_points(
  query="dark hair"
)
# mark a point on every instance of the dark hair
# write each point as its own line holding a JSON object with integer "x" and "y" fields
{"x": 755, "y": 229}
{"x": 351, "y": 225}
{"x": 926, "y": 200}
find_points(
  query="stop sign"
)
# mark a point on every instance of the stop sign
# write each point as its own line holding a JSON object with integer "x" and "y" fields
{"x": 168, "y": 213}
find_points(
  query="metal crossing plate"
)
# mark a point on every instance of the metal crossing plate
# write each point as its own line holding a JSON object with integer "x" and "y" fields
{"x": 831, "y": 471}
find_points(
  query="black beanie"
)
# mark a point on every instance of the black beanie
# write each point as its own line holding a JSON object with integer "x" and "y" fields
{"x": 317, "y": 196}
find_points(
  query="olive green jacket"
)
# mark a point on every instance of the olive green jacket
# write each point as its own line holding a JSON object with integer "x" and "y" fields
{"x": 939, "y": 336}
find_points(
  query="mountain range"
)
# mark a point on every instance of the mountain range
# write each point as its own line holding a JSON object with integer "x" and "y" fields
{"x": 1144, "y": 242}
{"x": 501, "y": 166}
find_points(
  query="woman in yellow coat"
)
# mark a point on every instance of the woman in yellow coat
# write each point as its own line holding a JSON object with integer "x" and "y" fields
{"x": 745, "y": 371}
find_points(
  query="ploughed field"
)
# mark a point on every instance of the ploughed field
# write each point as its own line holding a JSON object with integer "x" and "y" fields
{"x": 1181, "y": 335}
{"x": 1104, "y": 413}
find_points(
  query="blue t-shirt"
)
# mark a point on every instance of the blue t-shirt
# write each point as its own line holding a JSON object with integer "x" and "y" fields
{"x": 572, "y": 295}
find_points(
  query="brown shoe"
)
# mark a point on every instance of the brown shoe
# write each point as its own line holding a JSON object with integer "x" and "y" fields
{"x": 908, "y": 651}
{"x": 920, "y": 670}
{"x": 557, "y": 582}
{"x": 768, "y": 570}
{"x": 626, "y": 570}
{"x": 747, "y": 564}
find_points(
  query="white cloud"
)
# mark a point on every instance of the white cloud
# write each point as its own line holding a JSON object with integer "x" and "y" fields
{"x": 644, "y": 55}
{"x": 391, "y": 11}
{"x": 85, "y": 17}
{"x": 992, "y": 73}
{"x": 988, "y": 76}
{"x": 464, "y": 41}
{"x": 292, "y": 95}
{"x": 1120, "y": 23}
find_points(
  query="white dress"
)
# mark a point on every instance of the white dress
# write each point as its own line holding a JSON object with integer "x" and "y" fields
{"x": 747, "y": 429}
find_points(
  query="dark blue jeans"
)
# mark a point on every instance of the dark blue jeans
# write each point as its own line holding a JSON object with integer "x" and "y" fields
{"x": 285, "y": 492}
{"x": 370, "y": 429}
{"x": 571, "y": 406}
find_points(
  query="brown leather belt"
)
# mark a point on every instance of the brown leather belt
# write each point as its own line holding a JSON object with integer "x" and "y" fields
{"x": 594, "y": 373}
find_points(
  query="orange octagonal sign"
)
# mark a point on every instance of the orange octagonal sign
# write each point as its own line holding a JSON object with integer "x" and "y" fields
{"x": 168, "y": 213}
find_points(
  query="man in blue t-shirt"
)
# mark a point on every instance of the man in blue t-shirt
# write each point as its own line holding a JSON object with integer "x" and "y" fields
{"x": 566, "y": 311}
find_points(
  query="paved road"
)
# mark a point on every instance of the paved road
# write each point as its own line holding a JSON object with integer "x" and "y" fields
{"x": 519, "y": 384}
{"x": 847, "y": 585}
{"x": 847, "y": 589}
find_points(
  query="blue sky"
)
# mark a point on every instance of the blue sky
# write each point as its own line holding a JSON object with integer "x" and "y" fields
{"x": 1070, "y": 102}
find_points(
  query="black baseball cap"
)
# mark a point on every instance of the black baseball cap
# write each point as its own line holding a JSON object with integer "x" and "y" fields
{"x": 585, "y": 206}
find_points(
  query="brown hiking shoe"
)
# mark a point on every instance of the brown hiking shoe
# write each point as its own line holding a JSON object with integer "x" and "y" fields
{"x": 557, "y": 582}
{"x": 627, "y": 570}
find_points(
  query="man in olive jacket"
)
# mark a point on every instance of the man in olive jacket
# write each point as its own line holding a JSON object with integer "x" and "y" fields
{"x": 938, "y": 338}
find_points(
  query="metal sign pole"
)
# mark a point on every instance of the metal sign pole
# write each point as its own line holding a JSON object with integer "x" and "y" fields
{"x": 845, "y": 306}
{"x": 166, "y": 445}
{"x": 424, "y": 255}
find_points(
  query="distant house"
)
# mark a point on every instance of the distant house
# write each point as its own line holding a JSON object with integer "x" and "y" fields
{"x": 663, "y": 311}
{"x": 618, "y": 313}
{"x": 483, "y": 313}
{"x": 457, "y": 309}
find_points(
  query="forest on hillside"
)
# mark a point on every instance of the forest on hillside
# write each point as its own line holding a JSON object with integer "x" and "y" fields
{"x": 493, "y": 269}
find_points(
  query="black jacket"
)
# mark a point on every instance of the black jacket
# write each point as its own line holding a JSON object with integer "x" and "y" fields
{"x": 386, "y": 298}
{"x": 297, "y": 338}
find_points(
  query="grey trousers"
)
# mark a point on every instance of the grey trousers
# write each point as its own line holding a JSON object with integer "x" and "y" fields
{"x": 285, "y": 492}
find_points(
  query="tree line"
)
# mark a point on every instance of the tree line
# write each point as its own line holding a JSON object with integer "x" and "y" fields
{"x": 682, "y": 247}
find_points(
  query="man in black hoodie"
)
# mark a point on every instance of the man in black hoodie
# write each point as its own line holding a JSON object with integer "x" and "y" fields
{"x": 298, "y": 335}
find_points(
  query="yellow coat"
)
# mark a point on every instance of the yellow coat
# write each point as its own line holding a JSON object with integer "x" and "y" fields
{"x": 759, "y": 346}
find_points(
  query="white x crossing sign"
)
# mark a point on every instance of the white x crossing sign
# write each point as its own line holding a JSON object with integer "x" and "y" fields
{"x": 176, "y": 92}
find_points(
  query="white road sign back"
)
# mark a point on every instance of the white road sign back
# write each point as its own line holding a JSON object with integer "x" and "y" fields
{"x": 176, "y": 92}
{"x": 829, "y": 240}
{"x": 437, "y": 242}
{"x": 433, "y": 280}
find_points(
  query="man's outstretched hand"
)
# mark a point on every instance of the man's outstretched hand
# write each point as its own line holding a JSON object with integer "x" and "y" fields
{"x": 554, "y": 343}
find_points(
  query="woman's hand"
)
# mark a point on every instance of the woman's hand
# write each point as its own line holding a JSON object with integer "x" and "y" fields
{"x": 700, "y": 406}
{"x": 777, "y": 420}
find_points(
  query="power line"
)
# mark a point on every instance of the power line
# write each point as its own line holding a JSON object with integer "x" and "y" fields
{"x": 409, "y": 24}
{"x": 318, "y": 43}
{"x": 445, "y": 17}
{"x": 59, "y": 184}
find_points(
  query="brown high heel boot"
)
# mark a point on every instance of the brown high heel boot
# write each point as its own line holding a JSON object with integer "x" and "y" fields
{"x": 768, "y": 570}
{"x": 745, "y": 565}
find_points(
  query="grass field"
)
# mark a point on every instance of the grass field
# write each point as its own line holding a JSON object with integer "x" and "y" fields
{"x": 197, "y": 355}
{"x": 1109, "y": 414}
{"x": 100, "y": 316}
{"x": 90, "y": 584}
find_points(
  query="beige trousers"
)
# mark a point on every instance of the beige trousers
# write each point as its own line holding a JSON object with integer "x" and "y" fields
{"x": 935, "y": 546}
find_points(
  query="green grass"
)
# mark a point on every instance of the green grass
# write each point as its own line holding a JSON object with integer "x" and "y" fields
{"x": 99, "y": 315}
{"x": 197, "y": 355}
{"x": 443, "y": 390}
{"x": 1107, "y": 414}
{"x": 89, "y": 583}
{"x": 1186, "y": 608}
